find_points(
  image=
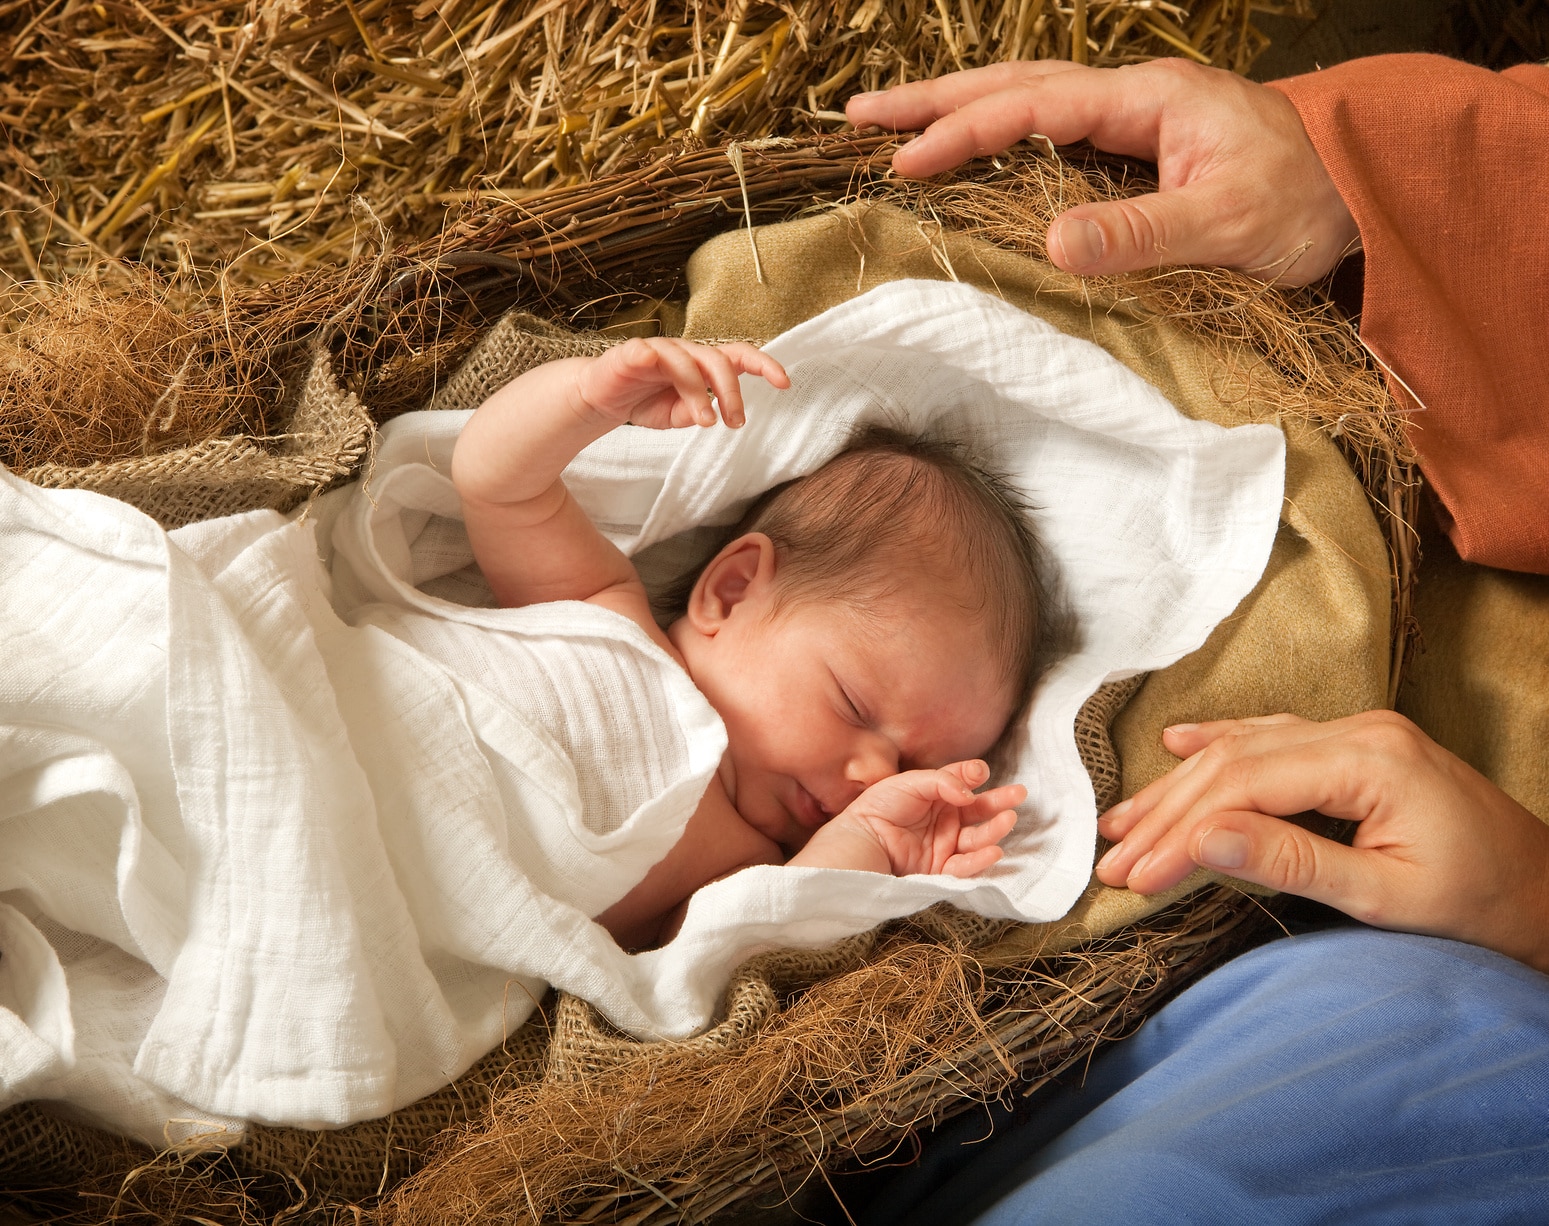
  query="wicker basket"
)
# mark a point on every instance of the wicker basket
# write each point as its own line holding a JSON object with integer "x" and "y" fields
{"x": 395, "y": 328}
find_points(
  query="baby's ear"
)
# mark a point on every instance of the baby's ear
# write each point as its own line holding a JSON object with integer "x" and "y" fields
{"x": 741, "y": 576}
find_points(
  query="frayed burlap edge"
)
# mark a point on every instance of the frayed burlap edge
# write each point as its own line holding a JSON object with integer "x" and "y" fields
{"x": 1031, "y": 1018}
{"x": 327, "y": 435}
{"x": 566, "y": 1041}
{"x": 518, "y": 342}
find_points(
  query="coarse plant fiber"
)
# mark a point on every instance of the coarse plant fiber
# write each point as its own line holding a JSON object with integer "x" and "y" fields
{"x": 605, "y": 226}
{"x": 192, "y": 136}
{"x": 398, "y": 320}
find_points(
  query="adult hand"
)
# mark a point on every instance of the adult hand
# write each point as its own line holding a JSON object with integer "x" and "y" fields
{"x": 1241, "y": 185}
{"x": 1439, "y": 848}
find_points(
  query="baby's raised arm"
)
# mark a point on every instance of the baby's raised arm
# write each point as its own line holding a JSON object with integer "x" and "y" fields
{"x": 530, "y": 537}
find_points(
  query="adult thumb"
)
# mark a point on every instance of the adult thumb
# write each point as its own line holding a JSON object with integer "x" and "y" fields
{"x": 1285, "y": 857}
{"x": 1125, "y": 235}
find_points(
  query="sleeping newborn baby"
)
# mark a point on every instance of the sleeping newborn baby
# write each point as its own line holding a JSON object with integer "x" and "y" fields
{"x": 866, "y": 636}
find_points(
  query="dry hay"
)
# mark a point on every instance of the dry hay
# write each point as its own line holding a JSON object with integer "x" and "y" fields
{"x": 105, "y": 371}
{"x": 196, "y": 135}
{"x": 915, "y": 1029}
{"x": 398, "y": 322}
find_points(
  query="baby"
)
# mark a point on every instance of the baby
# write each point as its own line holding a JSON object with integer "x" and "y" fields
{"x": 865, "y": 637}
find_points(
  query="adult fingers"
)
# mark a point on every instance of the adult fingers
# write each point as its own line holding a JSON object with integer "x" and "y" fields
{"x": 1280, "y": 855}
{"x": 905, "y": 107}
{"x": 1181, "y": 787}
{"x": 1278, "y": 771}
{"x": 1186, "y": 225}
{"x": 1348, "y": 768}
{"x": 1184, "y": 740}
{"x": 1115, "y": 109}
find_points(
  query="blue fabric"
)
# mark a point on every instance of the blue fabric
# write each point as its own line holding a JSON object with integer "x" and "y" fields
{"x": 1345, "y": 1076}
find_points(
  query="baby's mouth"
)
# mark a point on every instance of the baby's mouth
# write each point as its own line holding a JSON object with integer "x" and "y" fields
{"x": 809, "y": 810}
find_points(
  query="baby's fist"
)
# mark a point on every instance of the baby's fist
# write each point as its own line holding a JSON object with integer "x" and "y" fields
{"x": 932, "y": 821}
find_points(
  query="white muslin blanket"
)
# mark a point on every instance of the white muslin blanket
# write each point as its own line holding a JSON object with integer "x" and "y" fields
{"x": 268, "y": 852}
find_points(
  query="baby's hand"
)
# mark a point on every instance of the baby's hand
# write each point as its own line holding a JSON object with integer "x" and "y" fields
{"x": 923, "y": 821}
{"x": 665, "y": 383}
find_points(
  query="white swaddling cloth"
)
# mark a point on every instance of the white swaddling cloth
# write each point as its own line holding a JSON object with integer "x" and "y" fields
{"x": 281, "y": 841}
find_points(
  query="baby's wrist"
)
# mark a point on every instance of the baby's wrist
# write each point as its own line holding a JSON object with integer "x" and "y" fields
{"x": 587, "y": 414}
{"x": 844, "y": 843}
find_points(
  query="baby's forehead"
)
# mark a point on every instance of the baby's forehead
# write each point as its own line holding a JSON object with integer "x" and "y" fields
{"x": 923, "y": 672}
{"x": 913, "y": 617}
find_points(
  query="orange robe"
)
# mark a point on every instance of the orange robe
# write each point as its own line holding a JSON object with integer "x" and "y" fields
{"x": 1445, "y": 168}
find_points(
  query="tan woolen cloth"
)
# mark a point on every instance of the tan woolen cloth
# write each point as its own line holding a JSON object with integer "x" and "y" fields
{"x": 1480, "y": 683}
{"x": 1312, "y": 638}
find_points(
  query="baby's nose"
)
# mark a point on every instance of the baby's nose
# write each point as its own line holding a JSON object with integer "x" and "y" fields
{"x": 872, "y": 759}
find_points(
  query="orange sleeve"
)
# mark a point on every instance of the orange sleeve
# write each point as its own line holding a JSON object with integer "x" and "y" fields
{"x": 1445, "y": 168}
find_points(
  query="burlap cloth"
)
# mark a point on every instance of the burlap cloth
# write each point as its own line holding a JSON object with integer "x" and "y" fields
{"x": 1480, "y": 682}
{"x": 327, "y": 434}
{"x": 1312, "y": 638}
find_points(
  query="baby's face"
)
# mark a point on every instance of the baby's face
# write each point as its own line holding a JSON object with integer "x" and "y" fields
{"x": 821, "y": 700}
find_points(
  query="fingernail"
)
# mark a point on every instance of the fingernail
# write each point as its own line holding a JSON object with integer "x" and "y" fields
{"x": 1140, "y": 865}
{"x": 1081, "y": 242}
{"x": 870, "y": 93}
{"x": 1108, "y": 857}
{"x": 1180, "y": 728}
{"x": 1119, "y": 810}
{"x": 1220, "y": 848}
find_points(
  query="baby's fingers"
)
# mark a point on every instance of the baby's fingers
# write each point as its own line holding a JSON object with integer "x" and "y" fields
{"x": 991, "y": 803}
{"x": 719, "y": 372}
{"x": 971, "y": 863}
{"x": 752, "y": 360}
{"x": 965, "y": 775}
{"x": 987, "y": 832}
{"x": 682, "y": 368}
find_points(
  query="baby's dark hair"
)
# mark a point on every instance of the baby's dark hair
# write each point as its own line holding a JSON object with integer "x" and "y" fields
{"x": 842, "y": 533}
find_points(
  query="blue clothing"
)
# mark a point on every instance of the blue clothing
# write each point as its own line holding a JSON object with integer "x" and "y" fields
{"x": 1345, "y": 1076}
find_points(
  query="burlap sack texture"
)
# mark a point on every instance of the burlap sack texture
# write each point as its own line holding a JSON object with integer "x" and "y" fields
{"x": 1313, "y": 636}
{"x": 328, "y": 432}
{"x": 1480, "y": 683}
{"x": 41, "y": 1147}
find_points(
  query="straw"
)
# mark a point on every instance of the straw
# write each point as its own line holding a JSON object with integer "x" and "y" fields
{"x": 239, "y": 131}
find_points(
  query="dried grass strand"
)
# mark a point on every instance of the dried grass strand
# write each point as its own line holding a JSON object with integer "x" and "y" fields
{"x": 155, "y": 123}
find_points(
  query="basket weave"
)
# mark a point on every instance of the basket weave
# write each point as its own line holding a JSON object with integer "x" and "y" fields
{"x": 42, "y": 1149}
{"x": 327, "y": 435}
{"x": 1033, "y": 1017}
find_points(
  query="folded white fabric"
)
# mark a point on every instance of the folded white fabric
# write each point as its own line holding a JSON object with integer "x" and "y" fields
{"x": 314, "y": 864}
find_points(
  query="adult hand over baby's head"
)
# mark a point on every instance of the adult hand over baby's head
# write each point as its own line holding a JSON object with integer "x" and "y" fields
{"x": 1241, "y": 185}
{"x": 1439, "y": 848}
